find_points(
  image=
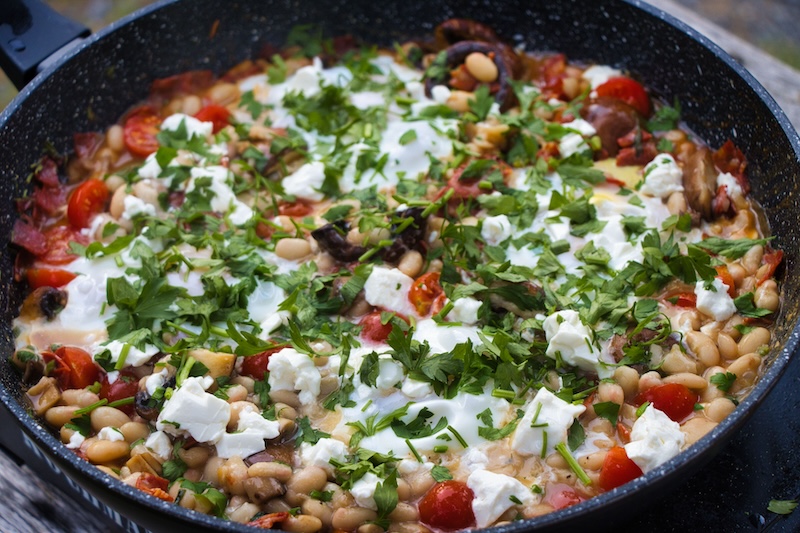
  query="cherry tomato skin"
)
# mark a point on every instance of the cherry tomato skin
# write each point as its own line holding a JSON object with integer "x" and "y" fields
{"x": 372, "y": 329}
{"x": 216, "y": 114}
{"x": 255, "y": 366}
{"x": 686, "y": 299}
{"x": 74, "y": 367}
{"x": 294, "y": 209}
{"x": 674, "y": 399}
{"x": 561, "y": 495}
{"x": 86, "y": 201}
{"x": 629, "y": 91}
{"x": 617, "y": 469}
{"x": 727, "y": 279}
{"x": 125, "y": 386}
{"x": 48, "y": 277}
{"x": 447, "y": 506}
{"x": 424, "y": 292}
{"x": 57, "y": 250}
{"x": 140, "y": 130}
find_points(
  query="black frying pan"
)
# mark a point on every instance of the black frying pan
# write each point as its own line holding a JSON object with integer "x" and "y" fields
{"x": 93, "y": 84}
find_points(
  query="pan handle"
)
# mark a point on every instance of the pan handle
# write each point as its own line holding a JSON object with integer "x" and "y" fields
{"x": 30, "y": 33}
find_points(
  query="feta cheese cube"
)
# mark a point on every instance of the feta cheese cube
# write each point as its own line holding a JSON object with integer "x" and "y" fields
{"x": 306, "y": 182}
{"x": 493, "y": 495}
{"x": 110, "y": 434}
{"x": 294, "y": 371}
{"x": 465, "y": 310}
{"x": 158, "y": 442}
{"x": 495, "y": 230}
{"x": 193, "y": 411}
{"x": 655, "y": 439}
{"x": 714, "y": 301}
{"x": 321, "y": 453}
{"x": 545, "y": 424}
{"x": 568, "y": 336}
{"x": 662, "y": 177}
{"x": 388, "y": 288}
{"x": 363, "y": 491}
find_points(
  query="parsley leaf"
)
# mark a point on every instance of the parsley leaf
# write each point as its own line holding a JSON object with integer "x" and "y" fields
{"x": 723, "y": 380}
{"x": 730, "y": 248}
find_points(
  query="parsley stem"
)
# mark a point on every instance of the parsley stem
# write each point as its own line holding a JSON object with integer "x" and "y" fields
{"x": 414, "y": 451}
{"x": 123, "y": 401}
{"x": 90, "y": 408}
{"x": 573, "y": 464}
{"x": 501, "y": 393}
{"x": 219, "y": 332}
{"x": 123, "y": 355}
{"x": 458, "y": 437}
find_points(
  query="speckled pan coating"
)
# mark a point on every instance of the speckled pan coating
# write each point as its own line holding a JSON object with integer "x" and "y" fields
{"x": 92, "y": 86}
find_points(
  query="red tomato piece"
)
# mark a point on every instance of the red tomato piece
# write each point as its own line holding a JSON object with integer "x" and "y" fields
{"x": 447, "y": 506}
{"x": 216, "y": 114}
{"x": 294, "y": 209}
{"x": 154, "y": 485}
{"x": 255, "y": 366}
{"x": 674, "y": 399}
{"x": 773, "y": 258}
{"x": 561, "y": 495}
{"x": 87, "y": 200}
{"x": 686, "y": 299}
{"x": 727, "y": 279}
{"x": 140, "y": 130}
{"x": 425, "y": 291}
{"x": 48, "y": 277}
{"x": 125, "y": 386}
{"x": 269, "y": 520}
{"x": 74, "y": 367}
{"x": 629, "y": 91}
{"x": 57, "y": 251}
{"x": 372, "y": 329}
{"x": 617, "y": 469}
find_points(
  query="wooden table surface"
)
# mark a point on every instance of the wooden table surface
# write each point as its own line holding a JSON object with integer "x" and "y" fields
{"x": 32, "y": 505}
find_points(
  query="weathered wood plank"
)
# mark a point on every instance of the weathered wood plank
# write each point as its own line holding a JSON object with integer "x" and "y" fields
{"x": 782, "y": 81}
{"x": 31, "y": 505}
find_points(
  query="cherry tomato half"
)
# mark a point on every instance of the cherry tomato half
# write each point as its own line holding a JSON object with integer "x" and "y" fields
{"x": 57, "y": 250}
{"x": 629, "y": 91}
{"x": 86, "y": 201}
{"x": 125, "y": 386}
{"x": 448, "y": 506}
{"x": 617, "y": 469}
{"x": 48, "y": 277}
{"x": 426, "y": 291}
{"x": 74, "y": 367}
{"x": 216, "y": 114}
{"x": 140, "y": 130}
{"x": 372, "y": 329}
{"x": 255, "y": 366}
{"x": 674, "y": 399}
{"x": 561, "y": 495}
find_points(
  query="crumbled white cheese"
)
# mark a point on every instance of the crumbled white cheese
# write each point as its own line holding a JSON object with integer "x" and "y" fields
{"x": 496, "y": 229}
{"x": 493, "y": 495}
{"x": 363, "y": 491}
{"x": 223, "y": 199}
{"x": 416, "y": 389}
{"x": 730, "y": 182}
{"x": 569, "y": 337}
{"x": 321, "y": 453}
{"x": 252, "y": 430}
{"x": 75, "y": 441}
{"x": 655, "y": 439}
{"x": 306, "y": 182}
{"x": 714, "y": 301}
{"x": 294, "y": 371}
{"x": 136, "y": 206}
{"x": 193, "y": 411}
{"x": 159, "y": 443}
{"x": 597, "y": 75}
{"x": 465, "y": 310}
{"x": 545, "y": 424}
{"x": 388, "y": 288}
{"x": 135, "y": 356}
{"x": 110, "y": 434}
{"x": 662, "y": 177}
{"x": 390, "y": 373}
{"x": 440, "y": 93}
{"x": 194, "y": 127}
{"x": 155, "y": 380}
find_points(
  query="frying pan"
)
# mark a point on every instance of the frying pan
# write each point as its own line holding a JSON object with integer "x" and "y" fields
{"x": 93, "y": 84}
